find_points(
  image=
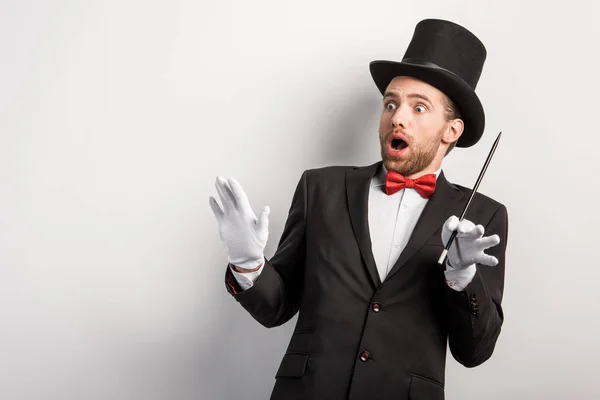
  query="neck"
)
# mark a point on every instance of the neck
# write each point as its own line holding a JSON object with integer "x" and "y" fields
{"x": 433, "y": 168}
{"x": 428, "y": 170}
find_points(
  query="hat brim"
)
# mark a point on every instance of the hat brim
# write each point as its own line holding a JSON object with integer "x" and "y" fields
{"x": 454, "y": 87}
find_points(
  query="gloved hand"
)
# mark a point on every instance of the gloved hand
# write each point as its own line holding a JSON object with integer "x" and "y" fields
{"x": 243, "y": 235}
{"x": 469, "y": 244}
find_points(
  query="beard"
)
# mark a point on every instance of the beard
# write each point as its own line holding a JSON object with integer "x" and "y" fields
{"x": 420, "y": 155}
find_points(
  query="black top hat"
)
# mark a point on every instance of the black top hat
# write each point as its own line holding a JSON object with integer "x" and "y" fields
{"x": 449, "y": 57}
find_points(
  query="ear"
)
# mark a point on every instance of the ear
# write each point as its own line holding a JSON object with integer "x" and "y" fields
{"x": 455, "y": 129}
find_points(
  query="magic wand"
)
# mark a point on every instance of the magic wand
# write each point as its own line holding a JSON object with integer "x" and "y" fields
{"x": 489, "y": 158}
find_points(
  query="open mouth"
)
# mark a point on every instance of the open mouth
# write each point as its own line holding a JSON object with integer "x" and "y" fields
{"x": 398, "y": 144}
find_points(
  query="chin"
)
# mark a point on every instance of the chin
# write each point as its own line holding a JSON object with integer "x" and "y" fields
{"x": 393, "y": 165}
{"x": 403, "y": 167}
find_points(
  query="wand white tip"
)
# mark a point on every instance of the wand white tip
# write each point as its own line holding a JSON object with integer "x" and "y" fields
{"x": 443, "y": 257}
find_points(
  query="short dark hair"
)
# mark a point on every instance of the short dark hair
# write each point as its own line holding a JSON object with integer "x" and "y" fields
{"x": 451, "y": 112}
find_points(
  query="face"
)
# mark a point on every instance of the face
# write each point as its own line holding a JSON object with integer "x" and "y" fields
{"x": 413, "y": 130}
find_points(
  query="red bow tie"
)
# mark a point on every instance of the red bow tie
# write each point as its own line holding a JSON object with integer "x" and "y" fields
{"x": 424, "y": 185}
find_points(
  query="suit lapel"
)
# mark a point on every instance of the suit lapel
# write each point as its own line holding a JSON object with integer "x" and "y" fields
{"x": 358, "y": 182}
{"x": 442, "y": 203}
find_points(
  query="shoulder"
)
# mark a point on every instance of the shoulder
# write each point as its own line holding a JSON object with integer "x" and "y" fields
{"x": 480, "y": 197}
{"x": 482, "y": 202}
{"x": 335, "y": 176}
{"x": 331, "y": 171}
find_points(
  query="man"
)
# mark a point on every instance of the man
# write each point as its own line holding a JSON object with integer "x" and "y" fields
{"x": 358, "y": 257}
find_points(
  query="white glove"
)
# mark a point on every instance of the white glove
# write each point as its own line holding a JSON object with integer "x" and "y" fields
{"x": 243, "y": 235}
{"x": 469, "y": 243}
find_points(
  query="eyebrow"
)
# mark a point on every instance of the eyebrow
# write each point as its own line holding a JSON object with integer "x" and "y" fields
{"x": 410, "y": 96}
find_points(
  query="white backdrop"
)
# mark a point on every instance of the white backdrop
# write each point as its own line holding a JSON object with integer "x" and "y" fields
{"x": 116, "y": 117}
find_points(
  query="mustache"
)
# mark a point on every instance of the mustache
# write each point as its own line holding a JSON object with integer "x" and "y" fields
{"x": 392, "y": 132}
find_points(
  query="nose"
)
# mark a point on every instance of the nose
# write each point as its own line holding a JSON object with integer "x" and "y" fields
{"x": 401, "y": 117}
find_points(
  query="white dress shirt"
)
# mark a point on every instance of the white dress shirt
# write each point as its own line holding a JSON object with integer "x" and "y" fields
{"x": 392, "y": 220}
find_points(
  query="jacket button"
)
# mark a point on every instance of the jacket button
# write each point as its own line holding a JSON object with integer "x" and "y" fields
{"x": 364, "y": 356}
{"x": 376, "y": 307}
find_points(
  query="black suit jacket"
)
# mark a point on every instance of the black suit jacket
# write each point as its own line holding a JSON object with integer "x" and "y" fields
{"x": 357, "y": 337}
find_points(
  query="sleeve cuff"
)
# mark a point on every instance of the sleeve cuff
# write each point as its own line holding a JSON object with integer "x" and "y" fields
{"x": 246, "y": 279}
{"x": 459, "y": 278}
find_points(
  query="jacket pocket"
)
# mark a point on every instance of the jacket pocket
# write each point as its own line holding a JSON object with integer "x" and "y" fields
{"x": 300, "y": 341}
{"x": 422, "y": 388}
{"x": 292, "y": 366}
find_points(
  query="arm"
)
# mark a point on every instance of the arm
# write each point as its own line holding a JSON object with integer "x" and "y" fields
{"x": 474, "y": 314}
{"x": 273, "y": 297}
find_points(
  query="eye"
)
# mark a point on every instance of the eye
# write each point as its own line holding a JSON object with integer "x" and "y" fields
{"x": 420, "y": 108}
{"x": 390, "y": 106}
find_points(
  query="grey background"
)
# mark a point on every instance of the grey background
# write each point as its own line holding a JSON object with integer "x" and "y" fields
{"x": 116, "y": 117}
